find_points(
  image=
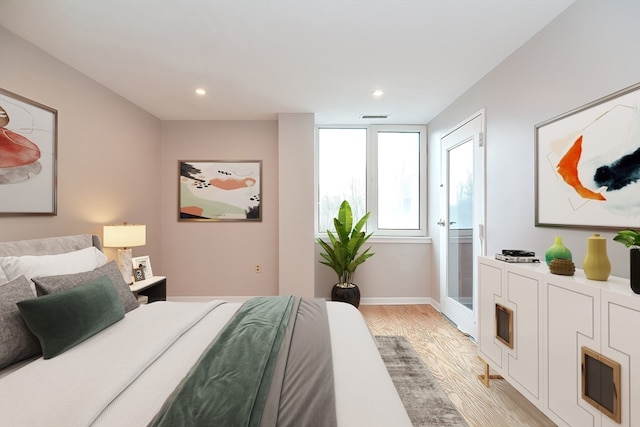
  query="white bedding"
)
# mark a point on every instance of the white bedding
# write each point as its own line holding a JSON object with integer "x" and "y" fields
{"x": 122, "y": 375}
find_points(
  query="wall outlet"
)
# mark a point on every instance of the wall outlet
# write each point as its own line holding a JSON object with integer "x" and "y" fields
{"x": 258, "y": 268}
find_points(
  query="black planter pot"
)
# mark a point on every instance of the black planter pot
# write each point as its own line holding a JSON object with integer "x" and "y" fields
{"x": 634, "y": 274}
{"x": 349, "y": 295}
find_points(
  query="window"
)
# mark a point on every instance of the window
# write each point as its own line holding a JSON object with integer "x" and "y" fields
{"x": 378, "y": 169}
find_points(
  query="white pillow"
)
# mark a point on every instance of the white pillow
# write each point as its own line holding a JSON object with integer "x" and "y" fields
{"x": 52, "y": 265}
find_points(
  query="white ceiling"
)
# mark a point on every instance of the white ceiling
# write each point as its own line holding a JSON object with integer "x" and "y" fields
{"x": 257, "y": 58}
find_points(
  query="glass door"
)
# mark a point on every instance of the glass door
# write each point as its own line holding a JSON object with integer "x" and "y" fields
{"x": 462, "y": 222}
{"x": 460, "y": 225}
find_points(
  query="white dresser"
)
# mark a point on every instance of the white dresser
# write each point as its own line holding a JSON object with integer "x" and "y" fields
{"x": 538, "y": 330}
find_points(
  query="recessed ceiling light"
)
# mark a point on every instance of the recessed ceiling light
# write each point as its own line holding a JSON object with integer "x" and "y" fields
{"x": 377, "y": 93}
{"x": 201, "y": 91}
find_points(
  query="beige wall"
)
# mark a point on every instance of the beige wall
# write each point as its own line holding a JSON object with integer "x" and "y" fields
{"x": 218, "y": 258}
{"x": 588, "y": 52}
{"x": 397, "y": 273}
{"x": 296, "y": 202}
{"x": 108, "y": 150}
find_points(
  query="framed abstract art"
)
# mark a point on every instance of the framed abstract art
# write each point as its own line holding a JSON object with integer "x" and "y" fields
{"x": 28, "y": 155}
{"x": 588, "y": 165}
{"x": 216, "y": 190}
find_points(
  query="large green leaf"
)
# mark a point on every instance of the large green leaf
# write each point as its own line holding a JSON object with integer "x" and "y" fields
{"x": 629, "y": 238}
{"x": 345, "y": 216}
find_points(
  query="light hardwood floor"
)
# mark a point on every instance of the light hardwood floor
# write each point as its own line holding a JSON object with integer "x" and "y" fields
{"x": 452, "y": 359}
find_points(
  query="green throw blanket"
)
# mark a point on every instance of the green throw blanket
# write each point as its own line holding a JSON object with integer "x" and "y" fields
{"x": 230, "y": 384}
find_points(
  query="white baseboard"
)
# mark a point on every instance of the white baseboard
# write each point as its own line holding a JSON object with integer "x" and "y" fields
{"x": 396, "y": 300}
{"x": 436, "y": 305}
{"x": 363, "y": 301}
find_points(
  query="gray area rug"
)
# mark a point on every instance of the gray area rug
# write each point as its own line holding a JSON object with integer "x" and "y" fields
{"x": 424, "y": 400}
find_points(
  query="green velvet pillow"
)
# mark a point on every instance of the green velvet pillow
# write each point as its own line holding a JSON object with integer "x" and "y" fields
{"x": 64, "y": 319}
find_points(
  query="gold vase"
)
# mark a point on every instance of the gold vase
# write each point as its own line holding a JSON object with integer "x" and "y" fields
{"x": 596, "y": 264}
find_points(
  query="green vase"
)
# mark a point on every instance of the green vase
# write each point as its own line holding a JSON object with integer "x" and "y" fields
{"x": 557, "y": 251}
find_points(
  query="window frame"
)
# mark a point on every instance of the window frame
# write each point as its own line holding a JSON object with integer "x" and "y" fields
{"x": 371, "y": 179}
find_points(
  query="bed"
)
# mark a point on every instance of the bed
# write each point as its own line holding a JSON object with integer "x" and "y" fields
{"x": 76, "y": 349}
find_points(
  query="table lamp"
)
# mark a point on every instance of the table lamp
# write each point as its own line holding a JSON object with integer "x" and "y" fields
{"x": 124, "y": 237}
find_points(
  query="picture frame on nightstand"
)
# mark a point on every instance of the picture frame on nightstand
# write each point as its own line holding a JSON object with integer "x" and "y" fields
{"x": 138, "y": 274}
{"x": 142, "y": 262}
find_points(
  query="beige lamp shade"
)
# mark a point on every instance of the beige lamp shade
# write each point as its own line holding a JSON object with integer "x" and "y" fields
{"x": 124, "y": 236}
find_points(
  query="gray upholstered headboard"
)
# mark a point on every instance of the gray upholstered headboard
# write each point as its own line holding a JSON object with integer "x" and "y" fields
{"x": 50, "y": 245}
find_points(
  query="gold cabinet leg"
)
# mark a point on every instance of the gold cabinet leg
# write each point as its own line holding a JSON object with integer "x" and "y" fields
{"x": 484, "y": 378}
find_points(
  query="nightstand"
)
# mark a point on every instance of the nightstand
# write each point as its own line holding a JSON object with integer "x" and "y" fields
{"x": 155, "y": 288}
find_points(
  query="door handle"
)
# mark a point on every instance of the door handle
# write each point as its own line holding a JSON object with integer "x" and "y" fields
{"x": 441, "y": 223}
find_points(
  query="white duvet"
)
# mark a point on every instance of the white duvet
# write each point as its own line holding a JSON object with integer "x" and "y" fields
{"x": 123, "y": 375}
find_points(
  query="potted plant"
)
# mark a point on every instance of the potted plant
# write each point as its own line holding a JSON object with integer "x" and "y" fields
{"x": 341, "y": 253}
{"x": 631, "y": 239}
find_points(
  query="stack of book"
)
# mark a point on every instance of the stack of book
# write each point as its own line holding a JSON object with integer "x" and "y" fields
{"x": 517, "y": 255}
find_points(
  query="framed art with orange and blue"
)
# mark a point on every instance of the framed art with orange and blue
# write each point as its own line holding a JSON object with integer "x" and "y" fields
{"x": 588, "y": 165}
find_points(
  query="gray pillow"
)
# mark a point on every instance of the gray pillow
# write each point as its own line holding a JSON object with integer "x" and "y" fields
{"x": 66, "y": 318}
{"x": 52, "y": 284}
{"x": 16, "y": 340}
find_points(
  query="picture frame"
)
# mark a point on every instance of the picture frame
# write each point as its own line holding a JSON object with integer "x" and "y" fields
{"x": 220, "y": 190}
{"x": 28, "y": 156}
{"x": 138, "y": 274}
{"x": 586, "y": 165}
{"x": 144, "y": 263}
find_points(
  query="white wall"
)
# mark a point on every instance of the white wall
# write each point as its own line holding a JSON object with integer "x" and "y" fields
{"x": 591, "y": 50}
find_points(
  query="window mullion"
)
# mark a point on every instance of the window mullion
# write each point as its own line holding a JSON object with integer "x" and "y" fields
{"x": 372, "y": 181}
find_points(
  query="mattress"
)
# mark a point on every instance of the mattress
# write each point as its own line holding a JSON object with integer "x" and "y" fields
{"x": 124, "y": 374}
